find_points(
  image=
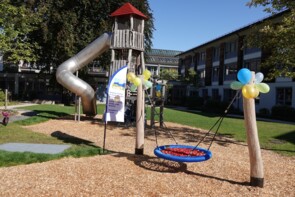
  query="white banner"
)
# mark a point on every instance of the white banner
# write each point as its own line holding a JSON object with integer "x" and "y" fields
{"x": 115, "y": 107}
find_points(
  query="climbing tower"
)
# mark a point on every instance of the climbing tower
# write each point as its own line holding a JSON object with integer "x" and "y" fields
{"x": 127, "y": 48}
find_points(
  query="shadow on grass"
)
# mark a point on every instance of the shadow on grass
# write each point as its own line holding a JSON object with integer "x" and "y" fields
{"x": 66, "y": 138}
{"x": 165, "y": 166}
{"x": 48, "y": 114}
{"x": 44, "y": 114}
{"x": 288, "y": 137}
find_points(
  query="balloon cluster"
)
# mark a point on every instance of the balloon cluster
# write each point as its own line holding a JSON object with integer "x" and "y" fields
{"x": 249, "y": 90}
{"x": 158, "y": 90}
{"x": 136, "y": 81}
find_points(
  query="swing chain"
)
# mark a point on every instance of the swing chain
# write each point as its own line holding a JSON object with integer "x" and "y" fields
{"x": 219, "y": 121}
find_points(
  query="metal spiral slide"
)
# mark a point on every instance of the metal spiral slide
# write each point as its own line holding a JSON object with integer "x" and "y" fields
{"x": 65, "y": 72}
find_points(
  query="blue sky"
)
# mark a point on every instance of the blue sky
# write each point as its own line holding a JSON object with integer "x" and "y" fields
{"x": 184, "y": 24}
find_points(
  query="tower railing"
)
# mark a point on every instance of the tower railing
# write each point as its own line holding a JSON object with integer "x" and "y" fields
{"x": 128, "y": 39}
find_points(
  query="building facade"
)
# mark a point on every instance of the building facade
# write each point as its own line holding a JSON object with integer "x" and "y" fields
{"x": 218, "y": 61}
{"x": 26, "y": 81}
{"x": 159, "y": 59}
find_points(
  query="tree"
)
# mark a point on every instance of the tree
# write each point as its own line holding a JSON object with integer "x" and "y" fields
{"x": 279, "y": 39}
{"x": 68, "y": 26}
{"x": 168, "y": 74}
{"x": 16, "y": 24}
{"x": 192, "y": 77}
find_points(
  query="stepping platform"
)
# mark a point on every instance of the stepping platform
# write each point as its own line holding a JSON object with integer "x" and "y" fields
{"x": 34, "y": 148}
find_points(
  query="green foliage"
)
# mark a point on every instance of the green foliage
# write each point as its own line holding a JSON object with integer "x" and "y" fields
{"x": 277, "y": 38}
{"x": 16, "y": 24}
{"x": 69, "y": 26}
{"x": 51, "y": 31}
{"x": 169, "y": 74}
{"x": 2, "y": 96}
{"x": 192, "y": 77}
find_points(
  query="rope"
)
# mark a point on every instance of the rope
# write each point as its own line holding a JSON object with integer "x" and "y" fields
{"x": 156, "y": 134}
{"x": 218, "y": 121}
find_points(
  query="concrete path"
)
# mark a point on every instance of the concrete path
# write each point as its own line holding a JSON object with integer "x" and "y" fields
{"x": 22, "y": 114}
{"x": 34, "y": 148}
{"x": 24, "y": 104}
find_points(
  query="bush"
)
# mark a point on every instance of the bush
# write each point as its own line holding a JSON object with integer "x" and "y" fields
{"x": 194, "y": 102}
{"x": 2, "y": 96}
{"x": 215, "y": 106}
{"x": 264, "y": 112}
{"x": 283, "y": 112}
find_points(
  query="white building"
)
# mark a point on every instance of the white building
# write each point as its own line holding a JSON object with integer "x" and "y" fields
{"x": 218, "y": 61}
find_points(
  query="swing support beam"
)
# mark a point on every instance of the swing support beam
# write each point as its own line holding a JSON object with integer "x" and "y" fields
{"x": 256, "y": 164}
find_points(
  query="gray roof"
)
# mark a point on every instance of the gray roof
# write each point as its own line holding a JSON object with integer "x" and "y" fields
{"x": 162, "y": 56}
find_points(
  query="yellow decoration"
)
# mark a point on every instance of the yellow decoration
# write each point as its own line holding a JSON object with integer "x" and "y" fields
{"x": 131, "y": 76}
{"x": 146, "y": 74}
{"x": 158, "y": 94}
{"x": 250, "y": 91}
{"x": 136, "y": 81}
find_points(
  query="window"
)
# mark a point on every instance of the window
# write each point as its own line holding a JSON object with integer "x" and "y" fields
{"x": 201, "y": 74}
{"x": 215, "y": 73}
{"x": 230, "y": 71}
{"x": 249, "y": 50}
{"x": 253, "y": 65}
{"x": 123, "y": 23}
{"x": 194, "y": 93}
{"x": 215, "y": 94}
{"x": 202, "y": 58}
{"x": 205, "y": 93}
{"x": 228, "y": 94}
{"x": 216, "y": 52}
{"x": 231, "y": 49}
{"x": 284, "y": 96}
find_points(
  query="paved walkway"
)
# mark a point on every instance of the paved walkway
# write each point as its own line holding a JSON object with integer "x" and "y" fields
{"x": 34, "y": 148}
{"x": 24, "y": 104}
{"x": 22, "y": 114}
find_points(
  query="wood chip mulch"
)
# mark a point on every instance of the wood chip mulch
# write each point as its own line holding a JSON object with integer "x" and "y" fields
{"x": 122, "y": 173}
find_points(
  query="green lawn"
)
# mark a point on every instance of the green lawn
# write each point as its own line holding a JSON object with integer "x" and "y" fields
{"x": 13, "y": 132}
{"x": 273, "y": 136}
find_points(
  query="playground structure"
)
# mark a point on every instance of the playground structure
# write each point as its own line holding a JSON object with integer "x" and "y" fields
{"x": 158, "y": 93}
{"x": 65, "y": 76}
{"x": 127, "y": 48}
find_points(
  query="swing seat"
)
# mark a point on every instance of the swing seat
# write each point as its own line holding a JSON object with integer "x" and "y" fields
{"x": 182, "y": 153}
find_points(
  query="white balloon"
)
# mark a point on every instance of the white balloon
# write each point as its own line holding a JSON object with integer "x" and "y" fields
{"x": 259, "y": 77}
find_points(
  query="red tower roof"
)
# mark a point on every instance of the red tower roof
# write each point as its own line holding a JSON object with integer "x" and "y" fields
{"x": 128, "y": 9}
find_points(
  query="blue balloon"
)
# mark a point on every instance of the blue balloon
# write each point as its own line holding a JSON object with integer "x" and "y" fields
{"x": 158, "y": 87}
{"x": 244, "y": 75}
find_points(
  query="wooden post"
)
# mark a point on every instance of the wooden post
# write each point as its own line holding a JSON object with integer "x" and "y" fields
{"x": 162, "y": 105}
{"x": 6, "y": 98}
{"x": 77, "y": 104}
{"x": 153, "y": 108}
{"x": 256, "y": 164}
{"x": 139, "y": 146}
{"x": 79, "y": 108}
